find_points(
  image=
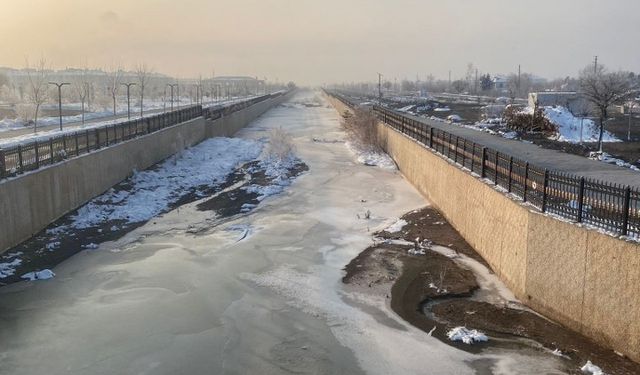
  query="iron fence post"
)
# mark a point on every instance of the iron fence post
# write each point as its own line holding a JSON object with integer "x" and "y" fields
{"x": 77, "y": 144}
{"x": 580, "y": 199}
{"x": 97, "y": 139}
{"x": 3, "y": 166}
{"x": 510, "y": 172}
{"x": 483, "y": 163}
{"x": 51, "y": 150}
{"x": 20, "y": 158}
{"x": 625, "y": 213}
{"x": 526, "y": 182}
{"x": 464, "y": 152}
{"x": 495, "y": 165}
{"x": 37, "y": 152}
{"x": 473, "y": 155}
{"x": 544, "y": 190}
{"x": 431, "y": 137}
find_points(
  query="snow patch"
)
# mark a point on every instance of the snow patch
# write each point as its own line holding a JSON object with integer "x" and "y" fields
{"x": 371, "y": 157}
{"x": 467, "y": 336}
{"x": 39, "y": 275}
{"x": 570, "y": 127}
{"x": 155, "y": 190}
{"x": 9, "y": 268}
{"x": 590, "y": 368}
{"x": 607, "y": 158}
{"x": 397, "y": 226}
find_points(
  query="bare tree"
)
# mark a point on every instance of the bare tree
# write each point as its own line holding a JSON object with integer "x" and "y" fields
{"x": 37, "y": 87}
{"x": 602, "y": 89}
{"x": 81, "y": 89}
{"x": 143, "y": 72}
{"x": 114, "y": 77}
{"x": 513, "y": 87}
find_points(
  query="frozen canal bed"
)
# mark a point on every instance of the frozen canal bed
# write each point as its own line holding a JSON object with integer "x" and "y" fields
{"x": 258, "y": 293}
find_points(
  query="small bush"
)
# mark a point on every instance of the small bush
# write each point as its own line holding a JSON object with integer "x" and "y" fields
{"x": 362, "y": 128}
{"x": 280, "y": 144}
{"x": 520, "y": 121}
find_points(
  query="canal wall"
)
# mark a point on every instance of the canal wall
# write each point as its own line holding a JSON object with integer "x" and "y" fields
{"x": 583, "y": 279}
{"x": 31, "y": 201}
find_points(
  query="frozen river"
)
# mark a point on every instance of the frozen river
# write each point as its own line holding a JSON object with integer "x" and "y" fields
{"x": 257, "y": 293}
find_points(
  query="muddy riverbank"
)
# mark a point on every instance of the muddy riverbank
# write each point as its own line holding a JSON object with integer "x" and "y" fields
{"x": 436, "y": 281}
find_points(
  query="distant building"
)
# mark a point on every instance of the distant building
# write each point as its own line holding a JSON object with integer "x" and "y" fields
{"x": 571, "y": 100}
{"x": 500, "y": 83}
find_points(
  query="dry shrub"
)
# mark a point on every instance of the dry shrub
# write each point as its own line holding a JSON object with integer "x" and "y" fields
{"x": 536, "y": 122}
{"x": 280, "y": 144}
{"x": 362, "y": 128}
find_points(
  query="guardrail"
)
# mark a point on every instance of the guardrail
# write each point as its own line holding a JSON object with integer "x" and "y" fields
{"x": 32, "y": 155}
{"x": 612, "y": 207}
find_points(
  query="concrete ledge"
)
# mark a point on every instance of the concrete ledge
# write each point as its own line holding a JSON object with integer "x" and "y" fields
{"x": 33, "y": 200}
{"x": 584, "y": 279}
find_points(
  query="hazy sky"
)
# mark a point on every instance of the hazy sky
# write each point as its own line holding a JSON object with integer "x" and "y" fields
{"x": 324, "y": 41}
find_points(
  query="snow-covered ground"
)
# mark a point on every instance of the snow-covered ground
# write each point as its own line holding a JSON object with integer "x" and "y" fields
{"x": 571, "y": 128}
{"x": 254, "y": 293}
{"x": 369, "y": 156}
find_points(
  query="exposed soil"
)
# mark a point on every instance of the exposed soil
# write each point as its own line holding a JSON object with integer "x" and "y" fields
{"x": 435, "y": 293}
{"x": 61, "y": 239}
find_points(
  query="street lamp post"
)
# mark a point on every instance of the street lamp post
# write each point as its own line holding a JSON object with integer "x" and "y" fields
{"x": 172, "y": 85}
{"x": 199, "y": 94}
{"x": 129, "y": 98}
{"x": 59, "y": 85}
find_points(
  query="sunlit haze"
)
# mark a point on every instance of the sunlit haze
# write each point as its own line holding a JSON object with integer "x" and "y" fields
{"x": 314, "y": 42}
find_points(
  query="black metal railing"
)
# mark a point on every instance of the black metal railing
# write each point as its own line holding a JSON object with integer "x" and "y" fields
{"x": 608, "y": 206}
{"x": 31, "y": 155}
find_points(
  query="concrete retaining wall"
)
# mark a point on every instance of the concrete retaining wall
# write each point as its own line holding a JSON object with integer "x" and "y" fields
{"x": 585, "y": 280}
{"x": 32, "y": 201}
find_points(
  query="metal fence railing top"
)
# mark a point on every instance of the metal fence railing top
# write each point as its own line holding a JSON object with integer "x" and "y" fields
{"x": 611, "y": 207}
{"x": 34, "y": 154}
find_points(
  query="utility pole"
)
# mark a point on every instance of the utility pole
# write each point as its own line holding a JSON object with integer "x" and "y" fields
{"x": 519, "y": 74}
{"x": 172, "y": 85}
{"x": 380, "y": 88}
{"x": 59, "y": 85}
{"x": 129, "y": 97}
{"x": 449, "y": 87}
{"x": 595, "y": 65}
{"x": 475, "y": 86}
